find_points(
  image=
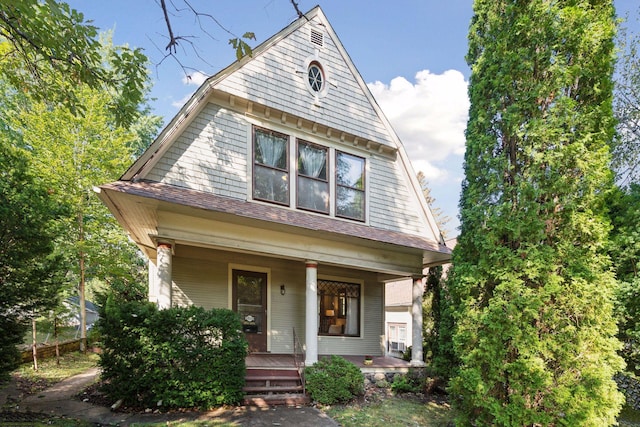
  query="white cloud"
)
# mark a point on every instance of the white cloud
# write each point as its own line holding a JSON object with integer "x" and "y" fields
{"x": 195, "y": 78}
{"x": 429, "y": 116}
{"x": 180, "y": 102}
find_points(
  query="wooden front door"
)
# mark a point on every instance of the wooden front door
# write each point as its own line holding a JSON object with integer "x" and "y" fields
{"x": 250, "y": 301}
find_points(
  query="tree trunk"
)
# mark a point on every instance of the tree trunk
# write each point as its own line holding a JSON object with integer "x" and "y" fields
{"x": 55, "y": 334}
{"x": 35, "y": 344}
{"x": 81, "y": 289}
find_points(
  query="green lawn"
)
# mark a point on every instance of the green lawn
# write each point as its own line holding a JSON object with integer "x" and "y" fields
{"x": 50, "y": 372}
{"x": 392, "y": 412}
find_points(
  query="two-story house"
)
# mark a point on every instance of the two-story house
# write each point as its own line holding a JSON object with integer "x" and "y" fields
{"x": 280, "y": 191}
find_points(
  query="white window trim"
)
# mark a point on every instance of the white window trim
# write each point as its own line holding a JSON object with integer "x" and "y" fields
{"x": 294, "y": 136}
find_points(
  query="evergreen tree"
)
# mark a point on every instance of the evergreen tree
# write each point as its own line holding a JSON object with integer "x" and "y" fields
{"x": 532, "y": 286}
{"x": 29, "y": 270}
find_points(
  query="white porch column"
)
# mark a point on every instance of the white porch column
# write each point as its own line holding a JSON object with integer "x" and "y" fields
{"x": 311, "y": 310}
{"x": 163, "y": 279}
{"x": 417, "y": 358}
{"x": 153, "y": 283}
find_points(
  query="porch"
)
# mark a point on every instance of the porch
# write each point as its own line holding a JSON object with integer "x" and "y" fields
{"x": 381, "y": 364}
{"x": 276, "y": 379}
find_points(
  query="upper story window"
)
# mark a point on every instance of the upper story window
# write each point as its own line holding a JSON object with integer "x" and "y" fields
{"x": 327, "y": 181}
{"x": 270, "y": 166}
{"x": 350, "y": 186}
{"x": 316, "y": 76}
{"x": 313, "y": 182}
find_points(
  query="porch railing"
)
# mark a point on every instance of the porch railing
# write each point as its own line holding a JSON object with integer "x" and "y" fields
{"x": 298, "y": 358}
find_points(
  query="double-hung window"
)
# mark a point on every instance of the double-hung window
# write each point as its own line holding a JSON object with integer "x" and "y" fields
{"x": 397, "y": 337}
{"x": 350, "y": 186}
{"x": 327, "y": 181}
{"x": 270, "y": 166}
{"x": 313, "y": 182}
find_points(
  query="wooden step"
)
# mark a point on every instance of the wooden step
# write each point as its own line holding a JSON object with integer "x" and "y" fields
{"x": 271, "y": 389}
{"x": 272, "y": 378}
{"x": 272, "y": 372}
{"x": 266, "y": 400}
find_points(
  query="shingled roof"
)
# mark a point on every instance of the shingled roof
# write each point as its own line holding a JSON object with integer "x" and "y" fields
{"x": 263, "y": 212}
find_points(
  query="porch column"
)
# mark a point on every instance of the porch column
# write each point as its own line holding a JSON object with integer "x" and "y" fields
{"x": 417, "y": 358}
{"x": 311, "y": 310}
{"x": 153, "y": 283}
{"x": 163, "y": 279}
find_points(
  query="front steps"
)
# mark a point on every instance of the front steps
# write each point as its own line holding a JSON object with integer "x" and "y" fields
{"x": 265, "y": 387}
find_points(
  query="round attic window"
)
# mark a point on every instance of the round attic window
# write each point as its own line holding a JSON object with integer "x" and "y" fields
{"x": 316, "y": 77}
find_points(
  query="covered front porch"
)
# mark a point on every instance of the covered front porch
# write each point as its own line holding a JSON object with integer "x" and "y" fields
{"x": 279, "y": 378}
{"x": 380, "y": 364}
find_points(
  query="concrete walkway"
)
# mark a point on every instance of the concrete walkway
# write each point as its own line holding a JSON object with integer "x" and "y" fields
{"x": 59, "y": 401}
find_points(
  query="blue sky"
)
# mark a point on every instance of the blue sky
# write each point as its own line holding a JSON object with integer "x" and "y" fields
{"x": 410, "y": 52}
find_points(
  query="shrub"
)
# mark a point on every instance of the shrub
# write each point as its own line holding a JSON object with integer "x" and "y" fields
{"x": 333, "y": 379}
{"x": 412, "y": 382}
{"x": 182, "y": 357}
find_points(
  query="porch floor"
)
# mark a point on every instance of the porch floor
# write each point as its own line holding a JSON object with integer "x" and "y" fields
{"x": 286, "y": 361}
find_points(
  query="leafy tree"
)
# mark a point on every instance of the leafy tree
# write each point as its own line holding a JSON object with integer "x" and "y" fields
{"x": 73, "y": 154}
{"x": 626, "y": 147}
{"x": 625, "y": 251}
{"x": 29, "y": 270}
{"x": 48, "y": 49}
{"x": 532, "y": 288}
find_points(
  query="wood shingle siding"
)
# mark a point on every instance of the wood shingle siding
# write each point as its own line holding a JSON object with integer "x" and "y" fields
{"x": 277, "y": 78}
{"x": 210, "y": 156}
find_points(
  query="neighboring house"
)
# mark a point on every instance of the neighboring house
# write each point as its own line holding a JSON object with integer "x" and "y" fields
{"x": 91, "y": 311}
{"x": 398, "y": 318}
{"x": 398, "y": 311}
{"x": 280, "y": 191}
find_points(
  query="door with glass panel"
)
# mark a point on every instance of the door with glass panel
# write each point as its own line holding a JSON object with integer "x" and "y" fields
{"x": 250, "y": 301}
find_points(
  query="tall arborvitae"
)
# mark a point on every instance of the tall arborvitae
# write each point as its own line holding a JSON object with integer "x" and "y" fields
{"x": 531, "y": 286}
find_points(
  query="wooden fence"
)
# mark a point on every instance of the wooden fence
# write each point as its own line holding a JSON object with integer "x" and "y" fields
{"x": 49, "y": 351}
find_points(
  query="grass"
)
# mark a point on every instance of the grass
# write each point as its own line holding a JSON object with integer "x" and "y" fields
{"x": 391, "y": 412}
{"x": 49, "y": 371}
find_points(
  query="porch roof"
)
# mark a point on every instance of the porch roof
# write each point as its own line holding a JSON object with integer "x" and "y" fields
{"x": 212, "y": 203}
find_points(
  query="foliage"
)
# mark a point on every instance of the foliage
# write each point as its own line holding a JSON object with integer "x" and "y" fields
{"x": 241, "y": 47}
{"x": 49, "y": 49}
{"x": 411, "y": 382}
{"x": 441, "y": 218}
{"x": 626, "y": 146}
{"x": 73, "y": 153}
{"x": 624, "y": 207}
{"x": 393, "y": 411}
{"x": 443, "y": 359}
{"x": 333, "y": 379}
{"x": 29, "y": 270}
{"x": 532, "y": 288}
{"x": 182, "y": 357}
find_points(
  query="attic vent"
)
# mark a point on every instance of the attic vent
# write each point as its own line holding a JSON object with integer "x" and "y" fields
{"x": 317, "y": 38}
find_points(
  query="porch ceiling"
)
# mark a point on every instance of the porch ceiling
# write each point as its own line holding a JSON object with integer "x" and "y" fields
{"x": 140, "y": 206}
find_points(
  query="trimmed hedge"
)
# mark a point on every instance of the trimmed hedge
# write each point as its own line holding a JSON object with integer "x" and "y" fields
{"x": 175, "y": 358}
{"x": 333, "y": 379}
